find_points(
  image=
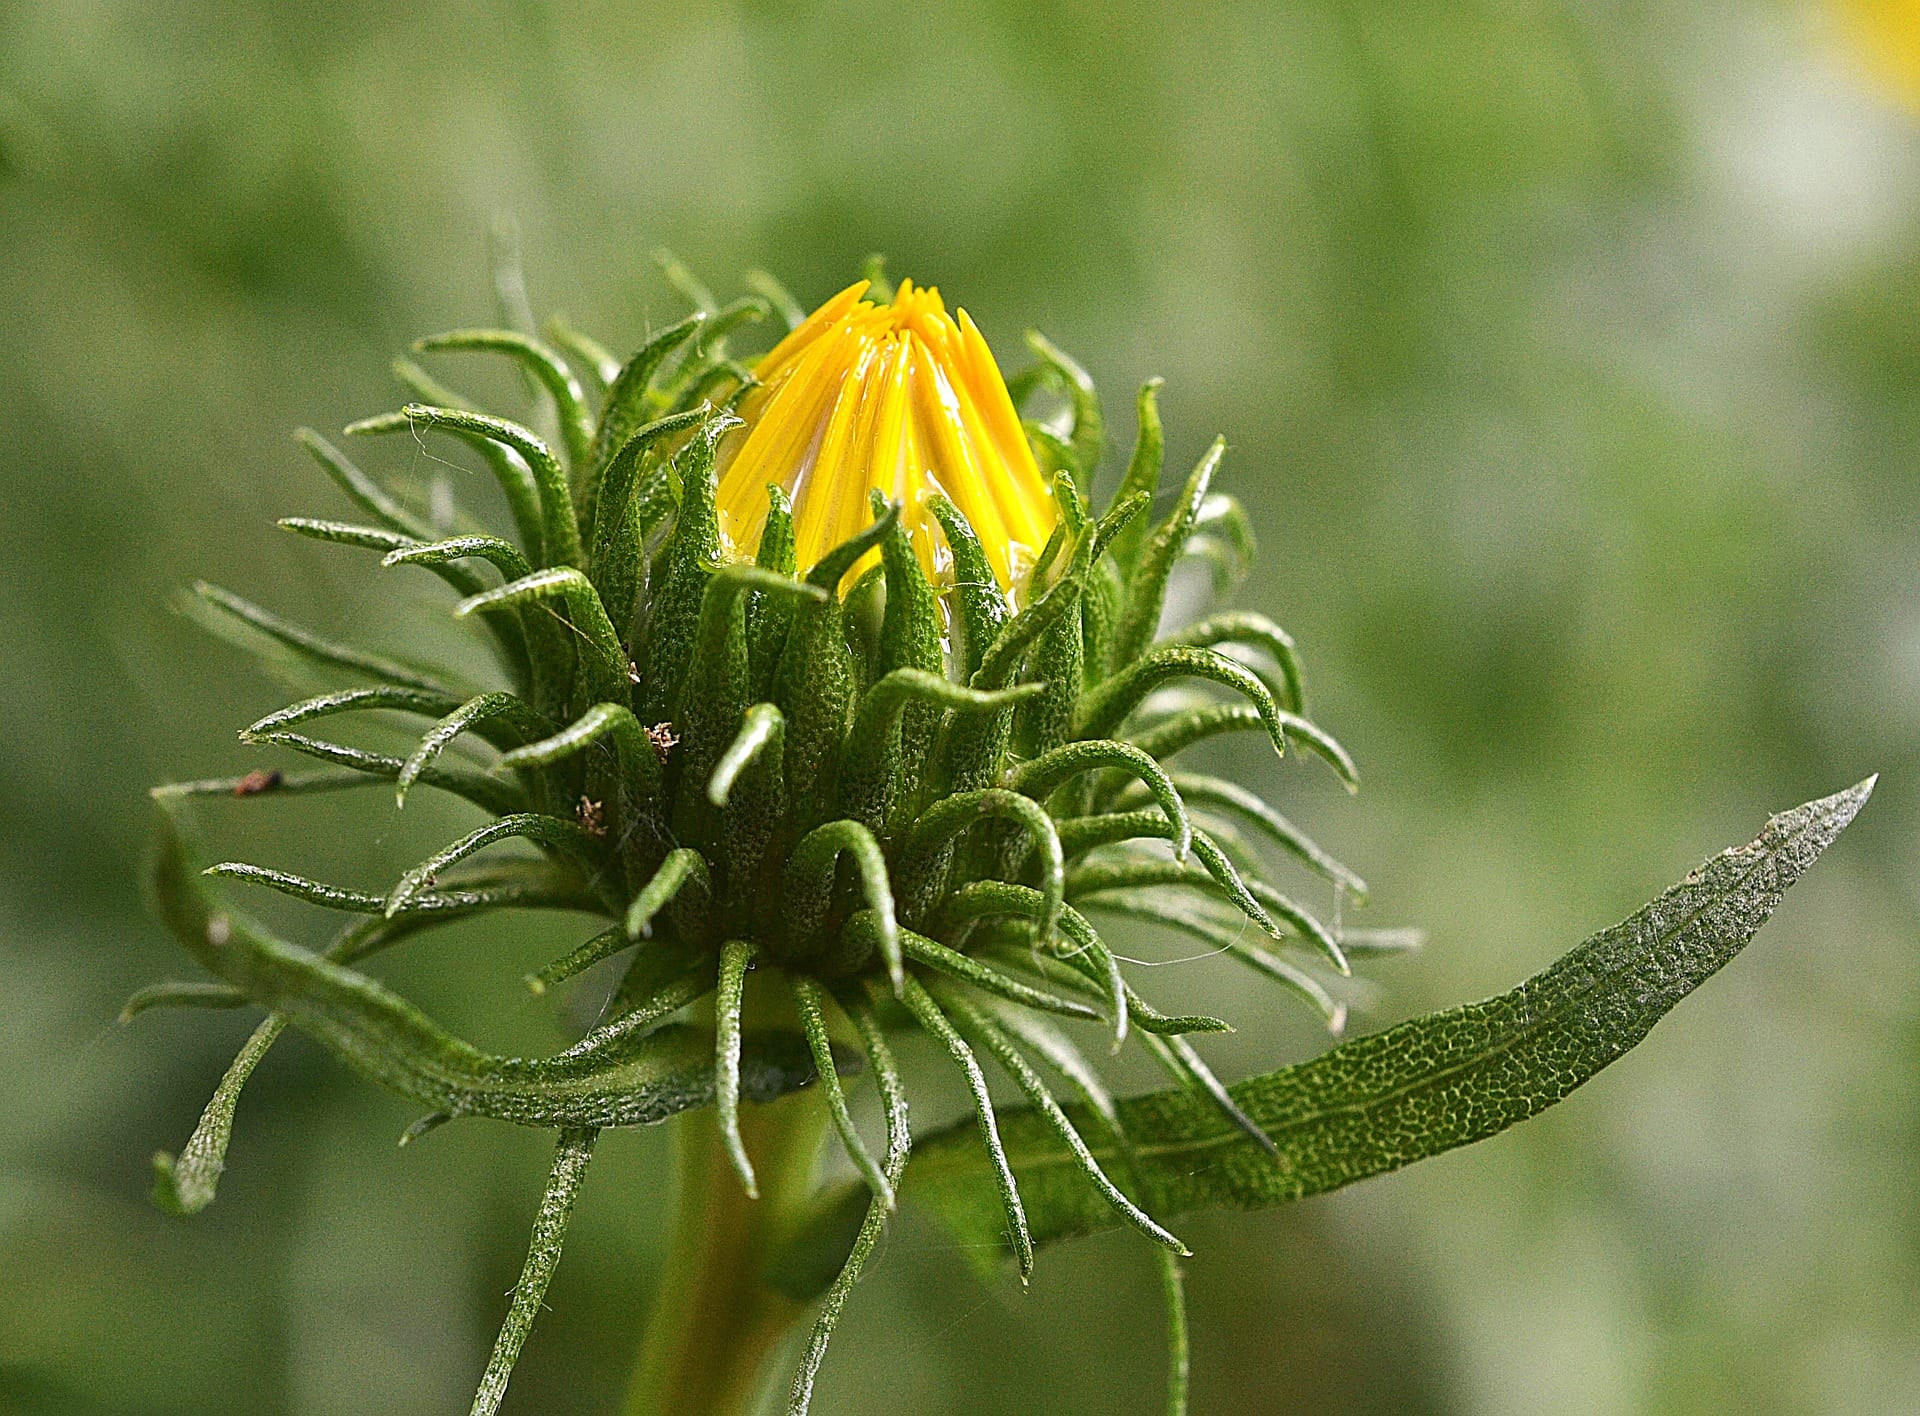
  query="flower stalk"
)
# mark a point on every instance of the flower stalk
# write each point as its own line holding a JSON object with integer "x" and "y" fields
{"x": 718, "y": 1317}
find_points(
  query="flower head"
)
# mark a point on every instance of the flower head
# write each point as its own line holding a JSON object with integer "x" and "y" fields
{"x": 766, "y": 801}
{"x": 899, "y": 398}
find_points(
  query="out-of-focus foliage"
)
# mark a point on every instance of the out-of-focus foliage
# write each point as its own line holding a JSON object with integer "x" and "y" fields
{"x": 1570, "y": 360}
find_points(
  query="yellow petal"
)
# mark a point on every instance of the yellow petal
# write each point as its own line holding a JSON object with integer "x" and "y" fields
{"x": 901, "y": 398}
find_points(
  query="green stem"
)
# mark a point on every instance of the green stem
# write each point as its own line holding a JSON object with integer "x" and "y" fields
{"x": 716, "y": 1319}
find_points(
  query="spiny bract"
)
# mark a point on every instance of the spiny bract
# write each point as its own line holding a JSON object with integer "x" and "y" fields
{"x": 893, "y": 793}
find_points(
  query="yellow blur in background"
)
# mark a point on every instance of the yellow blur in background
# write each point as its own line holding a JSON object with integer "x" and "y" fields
{"x": 1886, "y": 34}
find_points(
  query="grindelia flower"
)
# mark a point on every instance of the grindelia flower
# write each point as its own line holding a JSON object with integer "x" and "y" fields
{"x": 903, "y": 399}
{"x": 803, "y": 822}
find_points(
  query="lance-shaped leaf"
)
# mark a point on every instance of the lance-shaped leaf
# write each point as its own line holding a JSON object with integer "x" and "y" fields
{"x": 531, "y": 889}
{"x": 586, "y": 352}
{"x": 673, "y": 617}
{"x": 1107, "y": 706}
{"x": 550, "y": 832}
{"x": 736, "y": 957}
{"x": 1223, "y": 536}
{"x": 252, "y": 785}
{"x": 983, "y": 1031}
{"x": 1249, "y": 807}
{"x": 1245, "y": 627}
{"x": 1004, "y": 655}
{"x": 927, "y": 1013}
{"x": 374, "y": 538}
{"x": 768, "y": 619}
{"x": 893, "y": 1096}
{"x": 185, "y": 1184}
{"x": 877, "y": 747}
{"x": 1256, "y": 900}
{"x": 947, "y": 818}
{"x": 774, "y": 291}
{"x": 639, "y": 759}
{"x": 809, "y": 1001}
{"x": 504, "y": 556}
{"x": 810, "y": 878}
{"x": 626, "y": 409}
{"x": 1040, "y": 777}
{"x": 349, "y": 700}
{"x": 987, "y": 979}
{"x": 981, "y": 610}
{"x": 713, "y": 700}
{"x": 703, "y": 367}
{"x": 180, "y": 995}
{"x": 1089, "y": 426}
{"x": 624, "y": 1073}
{"x": 760, "y": 730}
{"x": 1426, "y": 1086}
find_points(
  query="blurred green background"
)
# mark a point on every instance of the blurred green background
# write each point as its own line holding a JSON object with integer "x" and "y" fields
{"x": 1570, "y": 362}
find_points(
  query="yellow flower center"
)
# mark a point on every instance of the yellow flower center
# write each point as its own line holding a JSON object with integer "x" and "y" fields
{"x": 904, "y": 398}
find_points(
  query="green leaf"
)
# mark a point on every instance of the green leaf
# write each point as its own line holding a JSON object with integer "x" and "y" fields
{"x": 587, "y": 353}
{"x": 185, "y": 1184}
{"x": 778, "y": 296}
{"x": 619, "y": 550}
{"x": 979, "y": 608}
{"x": 603, "y": 658}
{"x": 549, "y": 832}
{"x": 1426, "y": 1086}
{"x": 477, "y": 713}
{"x": 673, "y": 617}
{"x": 626, "y": 1072}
